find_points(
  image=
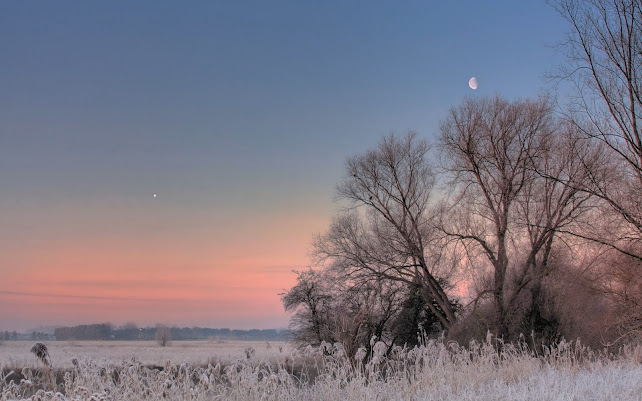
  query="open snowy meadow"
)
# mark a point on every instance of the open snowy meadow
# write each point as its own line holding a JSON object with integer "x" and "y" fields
{"x": 275, "y": 371}
{"x": 17, "y": 353}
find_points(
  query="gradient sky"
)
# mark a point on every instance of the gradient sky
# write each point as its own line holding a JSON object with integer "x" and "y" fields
{"x": 239, "y": 116}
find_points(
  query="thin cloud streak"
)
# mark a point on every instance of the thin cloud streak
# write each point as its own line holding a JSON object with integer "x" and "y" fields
{"x": 101, "y": 298}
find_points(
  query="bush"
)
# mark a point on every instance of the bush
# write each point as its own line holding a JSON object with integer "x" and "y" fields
{"x": 163, "y": 335}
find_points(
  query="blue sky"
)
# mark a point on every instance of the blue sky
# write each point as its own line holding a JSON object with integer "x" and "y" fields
{"x": 236, "y": 114}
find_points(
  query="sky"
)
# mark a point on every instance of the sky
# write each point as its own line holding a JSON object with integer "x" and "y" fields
{"x": 239, "y": 117}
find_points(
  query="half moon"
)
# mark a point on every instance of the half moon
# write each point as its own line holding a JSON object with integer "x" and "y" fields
{"x": 472, "y": 83}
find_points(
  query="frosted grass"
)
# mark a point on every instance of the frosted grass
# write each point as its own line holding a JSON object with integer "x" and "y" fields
{"x": 434, "y": 371}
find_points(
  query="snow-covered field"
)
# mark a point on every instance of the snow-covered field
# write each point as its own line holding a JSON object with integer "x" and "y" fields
{"x": 16, "y": 353}
{"x": 435, "y": 371}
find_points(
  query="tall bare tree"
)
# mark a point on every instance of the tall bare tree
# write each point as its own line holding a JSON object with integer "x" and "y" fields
{"x": 604, "y": 50}
{"x": 387, "y": 232}
{"x": 547, "y": 208}
{"x": 507, "y": 160}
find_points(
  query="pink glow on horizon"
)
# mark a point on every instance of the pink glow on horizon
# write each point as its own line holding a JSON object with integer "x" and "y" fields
{"x": 216, "y": 281}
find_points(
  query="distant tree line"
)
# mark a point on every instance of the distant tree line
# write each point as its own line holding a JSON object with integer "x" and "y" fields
{"x": 34, "y": 335}
{"x": 84, "y": 332}
{"x": 131, "y": 331}
{"x": 10, "y": 336}
{"x": 39, "y": 336}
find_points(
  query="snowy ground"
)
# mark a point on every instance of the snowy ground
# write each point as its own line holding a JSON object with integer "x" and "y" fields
{"x": 435, "y": 371}
{"x": 16, "y": 353}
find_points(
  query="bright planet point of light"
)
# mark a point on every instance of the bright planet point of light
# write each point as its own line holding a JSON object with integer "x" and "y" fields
{"x": 472, "y": 83}
{"x": 154, "y": 195}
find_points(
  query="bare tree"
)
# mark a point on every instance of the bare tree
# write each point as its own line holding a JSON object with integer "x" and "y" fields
{"x": 604, "y": 50}
{"x": 311, "y": 301}
{"x": 330, "y": 309}
{"x": 163, "y": 335}
{"x": 366, "y": 311}
{"x": 547, "y": 208}
{"x": 507, "y": 160}
{"x": 387, "y": 232}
